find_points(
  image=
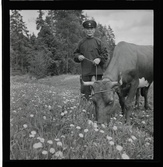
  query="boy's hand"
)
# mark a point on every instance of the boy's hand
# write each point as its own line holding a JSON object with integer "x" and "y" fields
{"x": 81, "y": 57}
{"x": 97, "y": 61}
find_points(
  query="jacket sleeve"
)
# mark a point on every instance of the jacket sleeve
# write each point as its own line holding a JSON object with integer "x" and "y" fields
{"x": 77, "y": 53}
{"x": 104, "y": 54}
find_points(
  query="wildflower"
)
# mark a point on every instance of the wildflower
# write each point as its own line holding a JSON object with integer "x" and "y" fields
{"x": 57, "y": 139}
{"x": 133, "y": 137}
{"x": 49, "y": 107}
{"x": 78, "y": 127}
{"x": 104, "y": 126}
{"x": 90, "y": 122}
{"x": 109, "y": 138}
{"x": 114, "y": 128}
{"x": 114, "y": 118}
{"x": 37, "y": 145}
{"x": 101, "y": 131}
{"x": 71, "y": 125}
{"x": 95, "y": 125}
{"x": 81, "y": 135}
{"x": 59, "y": 143}
{"x": 62, "y": 114}
{"x": 85, "y": 130}
{"x": 65, "y": 112}
{"x": 59, "y": 154}
{"x": 33, "y": 132}
{"x": 120, "y": 115}
{"x": 96, "y": 129}
{"x": 52, "y": 150}
{"x": 143, "y": 122}
{"x": 44, "y": 117}
{"x": 119, "y": 148}
{"x": 63, "y": 136}
{"x": 31, "y": 135}
{"x": 50, "y": 141}
{"x": 44, "y": 152}
{"x": 25, "y": 126}
{"x": 31, "y": 115}
{"x": 130, "y": 140}
{"x": 41, "y": 139}
{"x": 111, "y": 143}
{"x": 147, "y": 144}
{"x": 125, "y": 156}
{"x": 84, "y": 110}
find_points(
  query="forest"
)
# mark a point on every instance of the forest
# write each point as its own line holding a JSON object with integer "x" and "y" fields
{"x": 50, "y": 52}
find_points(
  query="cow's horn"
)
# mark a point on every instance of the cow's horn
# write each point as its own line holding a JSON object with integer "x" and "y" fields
{"x": 115, "y": 83}
{"x": 87, "y": 83}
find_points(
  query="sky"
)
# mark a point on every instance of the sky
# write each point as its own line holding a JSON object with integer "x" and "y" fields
{"x": 134, "y": 26}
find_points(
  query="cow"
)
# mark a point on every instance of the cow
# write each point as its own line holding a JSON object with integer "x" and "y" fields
{"x": 130, "y": 69}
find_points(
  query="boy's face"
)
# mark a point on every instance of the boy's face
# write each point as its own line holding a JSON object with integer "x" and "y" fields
{"x": 90, "y": 32}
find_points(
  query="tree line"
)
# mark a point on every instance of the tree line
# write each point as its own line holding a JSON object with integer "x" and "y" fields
{"x": 51, "y": 51}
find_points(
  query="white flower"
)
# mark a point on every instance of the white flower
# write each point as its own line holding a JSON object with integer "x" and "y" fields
{"x": 95, "y": 125}
{"x": 59, "y": 143}
{"x": 71, "y": 125}
{"x": 63, "y": 136}
{"x": 44, "y": 117}
{"x": 44, "y": 152}
{"x": 114, "y": 127}
{"x": 111, "y": 143}
{"x": 85, "y": 130}
{"x": 41, "y": 139}
{"x": 143, "y": 122}
{"x": 84, "y": 110}
{"x": 31, "y": 115}
{"x": 31, "y": 135}
{"x": 62, "y": 114}
{"x": 104, "y": 126}
{"x": 57, "y": 139}
{"x": 120, "y": 115}
{"x": 90, "y": 122}
{"x": 119, "y": 148}
{"x": 133, "y": 137}
{"x": 130, "y": 140}
{"x": 50, "y": 141}
{"x": 25, "y": 126}
{"x": 114, "y": 118}
{"x": 49, "y": 107}
{"x": 125, "y": 156}
{"x": 37, "y": 145}
{"x": 78, "y": 127}
{"x": 147, "y": 144}
{"x": 109, "y": 138}
{"x": 81, "y": 135}
{"x": 59, "y": 154}
{"x": 52, "y": 150}
{"x": 65, "y": 112}
{"x": 96, "y": 129}
{"x": 33, "y": 132}
{"x": 101, "y": 131}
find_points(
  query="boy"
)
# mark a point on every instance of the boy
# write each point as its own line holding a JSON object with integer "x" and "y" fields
{"x": 93, "y": 49}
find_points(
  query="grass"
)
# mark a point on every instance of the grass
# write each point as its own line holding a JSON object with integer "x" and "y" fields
{"x": 48, "y": 120}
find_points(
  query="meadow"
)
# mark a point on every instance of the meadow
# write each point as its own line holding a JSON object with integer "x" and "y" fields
{"x": 50, "y": 120}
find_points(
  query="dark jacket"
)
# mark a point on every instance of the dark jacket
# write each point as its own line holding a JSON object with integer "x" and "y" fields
{"x": 91, "y": 48}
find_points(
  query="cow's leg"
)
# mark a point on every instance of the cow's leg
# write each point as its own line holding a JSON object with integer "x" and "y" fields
{"x": 144, "y": 93}
{"x": 130, "y": 98}
{"x": 137, "y": 98}
{"x": 121, "y": 101}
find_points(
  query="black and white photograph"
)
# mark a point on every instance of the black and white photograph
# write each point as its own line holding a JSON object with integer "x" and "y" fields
{"x": 81, "y": 84}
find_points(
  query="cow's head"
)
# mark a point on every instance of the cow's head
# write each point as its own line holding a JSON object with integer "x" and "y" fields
{"x": 103, "y": 96}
